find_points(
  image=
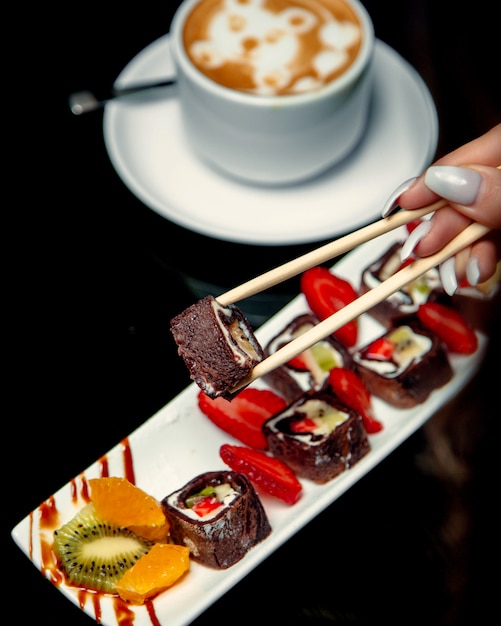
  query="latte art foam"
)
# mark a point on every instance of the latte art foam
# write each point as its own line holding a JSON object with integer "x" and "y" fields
{"x": 272, "y": 47}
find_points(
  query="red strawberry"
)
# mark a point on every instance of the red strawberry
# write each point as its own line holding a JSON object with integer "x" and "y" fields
{"x": 326, "y": 293}
{"x": 299, "y": 362}
{"x": 381, "y": 349}
{"x": 407, "y": 262}
{"x": 351, "y": 390}
{"x": 412, "y": 225}
{"x": 304, "y": 425}
{"x": 206, "y": 505}
{"x": 266, "y": 472}
{"x": 243, "y": 416}
{"x": 452, "y": 328}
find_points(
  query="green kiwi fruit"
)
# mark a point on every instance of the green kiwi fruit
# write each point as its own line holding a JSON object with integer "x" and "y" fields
{"x": 94, "y": 554}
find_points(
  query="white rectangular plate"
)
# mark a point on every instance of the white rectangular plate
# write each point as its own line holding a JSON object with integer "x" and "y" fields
{"x": 179, "y": 442}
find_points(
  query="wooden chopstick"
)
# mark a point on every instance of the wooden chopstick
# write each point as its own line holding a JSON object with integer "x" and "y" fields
{"x": 324, "y": 253}
{"x": 364, "y": 302}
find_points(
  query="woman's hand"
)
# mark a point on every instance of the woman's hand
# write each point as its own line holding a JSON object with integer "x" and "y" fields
{"x": 470, "y": 180}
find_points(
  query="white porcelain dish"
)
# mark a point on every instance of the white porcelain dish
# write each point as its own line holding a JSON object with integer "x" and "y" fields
{"x": 147, "y": 147}
{"x": 179, "y": 442}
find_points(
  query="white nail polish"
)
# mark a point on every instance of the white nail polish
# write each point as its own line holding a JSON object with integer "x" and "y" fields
{"x": 448, "y": 276}
{"x": 457, "y": 184}
{"x": 472, "y": 271}
{"x": 414, "y": 238}
{"x": 391, "y": 204}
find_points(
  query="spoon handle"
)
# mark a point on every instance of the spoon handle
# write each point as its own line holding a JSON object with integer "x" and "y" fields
{"x": 85, "y": 101}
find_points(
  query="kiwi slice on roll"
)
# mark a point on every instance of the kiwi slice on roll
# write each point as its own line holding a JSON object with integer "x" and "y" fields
{"x": 94, "y": 554}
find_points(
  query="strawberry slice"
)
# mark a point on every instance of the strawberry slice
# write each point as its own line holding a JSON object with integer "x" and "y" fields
{"x": 410, "y": 226}
{"x": 326, "y": 293}
{"x": 303, "y": 425}
{"x": 206, "y": 505}
{"x": 380, "y": 349}
{"x": 266, "y": 472}
{"x": 452, "y": 328}
{"x": 407, "y": 262}
{"x": 351, "y": 389}
{"x": 300, "y": 362}
{"x": 243, "y": 416}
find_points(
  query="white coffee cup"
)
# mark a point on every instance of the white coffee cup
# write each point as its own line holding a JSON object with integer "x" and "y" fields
{"x": 273, "y": 138}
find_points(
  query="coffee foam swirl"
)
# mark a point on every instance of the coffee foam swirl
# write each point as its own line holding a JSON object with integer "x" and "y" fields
{"x": 272, "y": 47}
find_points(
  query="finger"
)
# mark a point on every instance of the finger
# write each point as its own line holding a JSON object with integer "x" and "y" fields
{"x": 485, "y": 254}
{"x": 484, "y": 150}
{"x": 473, "y": 191}
{"x": 461, "y": 260}
{"x": 477, "y": 264}
{"x": 446, "y": 223}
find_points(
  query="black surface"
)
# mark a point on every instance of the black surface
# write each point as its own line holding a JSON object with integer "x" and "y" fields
{"x": 90, "y": 357}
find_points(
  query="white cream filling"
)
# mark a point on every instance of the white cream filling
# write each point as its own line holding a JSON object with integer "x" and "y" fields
{"x": 238, "y": 338}
{"x": 412, "y": 295}
{"x": 326, "y": 418}
{"x": 304, "y": 379}
{"x": 413, "y": 349}
{"x": 174, "y": 501}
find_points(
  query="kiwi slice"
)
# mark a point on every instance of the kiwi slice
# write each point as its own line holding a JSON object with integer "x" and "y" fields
{"x": 94, "y": 554}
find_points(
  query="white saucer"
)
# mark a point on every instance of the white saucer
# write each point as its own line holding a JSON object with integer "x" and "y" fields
{"x": 147, "y": 147}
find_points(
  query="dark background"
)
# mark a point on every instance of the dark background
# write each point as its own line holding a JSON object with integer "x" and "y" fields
{"x": 90, "y": 357}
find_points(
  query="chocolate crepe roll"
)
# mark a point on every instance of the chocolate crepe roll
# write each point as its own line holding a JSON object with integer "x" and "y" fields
{"x": 229, "y": 522}
{"x": 318, "y": 436}
{"x": 404, "y": 303}
{"x": 217, "y": 344}
{"x": 404, "y": 365}
{"x": 311, "y": 371}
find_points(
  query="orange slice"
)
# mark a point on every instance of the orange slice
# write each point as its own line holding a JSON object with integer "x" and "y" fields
{"x": 122, "y": 503}
{"x": 154, "y": 572}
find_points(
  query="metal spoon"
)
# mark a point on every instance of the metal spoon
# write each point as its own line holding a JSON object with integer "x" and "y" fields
{"x": 85, "y": 101}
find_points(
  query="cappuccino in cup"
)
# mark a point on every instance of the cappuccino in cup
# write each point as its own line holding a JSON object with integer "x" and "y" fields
{"x": 273, "y": 92}
{"x": 272, "y": 47}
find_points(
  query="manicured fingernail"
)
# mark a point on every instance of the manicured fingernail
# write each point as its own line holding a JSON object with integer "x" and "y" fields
{"x": 414, "y": 238}
{"x": 457, "y": 184}
{"x": 472, "y": 271}
{"x": 391, "y": 204}
{"x": 448, "y": 276}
